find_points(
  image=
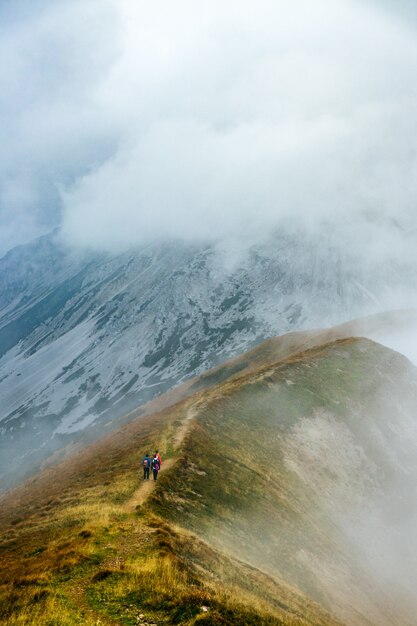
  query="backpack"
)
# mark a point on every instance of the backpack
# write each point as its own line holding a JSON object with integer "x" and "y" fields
{"x": 156, "y": 464}
{"x": 146, "y": 462}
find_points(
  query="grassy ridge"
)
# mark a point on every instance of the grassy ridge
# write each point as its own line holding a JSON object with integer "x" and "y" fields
{"x": 237, "y": 487}
{"x": 75, "y": 551}
{"x": 230, "y": 532}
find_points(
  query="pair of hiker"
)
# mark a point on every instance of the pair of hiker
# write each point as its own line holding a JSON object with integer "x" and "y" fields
{"x": 154, "y": 464}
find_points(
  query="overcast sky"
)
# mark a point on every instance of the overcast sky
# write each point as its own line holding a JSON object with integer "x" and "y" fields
{"x": 124, "y": 121}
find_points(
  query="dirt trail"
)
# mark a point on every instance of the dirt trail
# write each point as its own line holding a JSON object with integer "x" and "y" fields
{"x": 185, "y": 426}
{"x": 146, "y": 488}
{"x": 77, "y": 592}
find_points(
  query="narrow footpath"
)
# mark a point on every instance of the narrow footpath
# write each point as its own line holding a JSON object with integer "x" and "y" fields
{"x": 146, "y": 487}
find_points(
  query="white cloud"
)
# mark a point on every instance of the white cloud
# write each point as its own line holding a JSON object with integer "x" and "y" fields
{"x": 242, "y": 114}
{"x": 210, "y": 120}
{"x": 53, "y": 125}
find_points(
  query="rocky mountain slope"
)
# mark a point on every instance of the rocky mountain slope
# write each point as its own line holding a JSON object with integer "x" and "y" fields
{"x": 83, "y": 339}
{"x": 288, "y": 496}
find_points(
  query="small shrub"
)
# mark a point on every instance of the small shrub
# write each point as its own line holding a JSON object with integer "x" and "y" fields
{"x": 35, "y": 552}
{"x": 85, "y": 534}
{"x": 102, "y": 575}
{"x": 189, "y": 607}
{"x": 38, "y": 596}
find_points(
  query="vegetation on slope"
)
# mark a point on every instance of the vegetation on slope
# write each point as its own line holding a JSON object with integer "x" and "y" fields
{"x": 278, "y": 461}
{"x": 77, "y": 548}
{"x": 240, "y": 527}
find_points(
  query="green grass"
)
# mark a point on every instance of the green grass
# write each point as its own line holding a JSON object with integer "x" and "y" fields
{"x": 234, "y": 487}
{"x": 73, "y": 553}
{"x": 218, "y": 540}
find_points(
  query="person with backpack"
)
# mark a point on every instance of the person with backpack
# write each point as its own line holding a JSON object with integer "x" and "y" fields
{"x": 147, "y": 463}
{"x": 156, "y": 466}
{"x": 159, "y": 458}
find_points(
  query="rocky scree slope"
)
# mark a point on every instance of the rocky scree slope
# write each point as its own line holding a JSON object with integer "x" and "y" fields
{"x": 86, "y": 338}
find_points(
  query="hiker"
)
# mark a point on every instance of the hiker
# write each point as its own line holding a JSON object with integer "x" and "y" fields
{"x": 147, "y": 463}
{"x": 156, "y": 466}
{"x": 159, "y": 458}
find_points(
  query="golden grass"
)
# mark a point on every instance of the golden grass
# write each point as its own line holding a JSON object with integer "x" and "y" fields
{"x": 74, "y": 553}
{"x": 50, "y": 611}
{"x": 99, "y": 560}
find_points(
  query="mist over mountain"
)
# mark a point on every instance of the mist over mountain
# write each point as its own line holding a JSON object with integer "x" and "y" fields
{"x": 84, "y": 338}
{"x": 207, "y": 221}
{"x": 215, "y": 175}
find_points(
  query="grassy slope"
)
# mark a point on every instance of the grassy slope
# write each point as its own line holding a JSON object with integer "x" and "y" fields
{"x": 252, "y": 485}
{"x": 74, "y": 549}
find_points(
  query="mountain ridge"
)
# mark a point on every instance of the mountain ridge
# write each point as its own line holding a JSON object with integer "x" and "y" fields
{"x": 333, "y": 439}
{"x": 86, "y": 337}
